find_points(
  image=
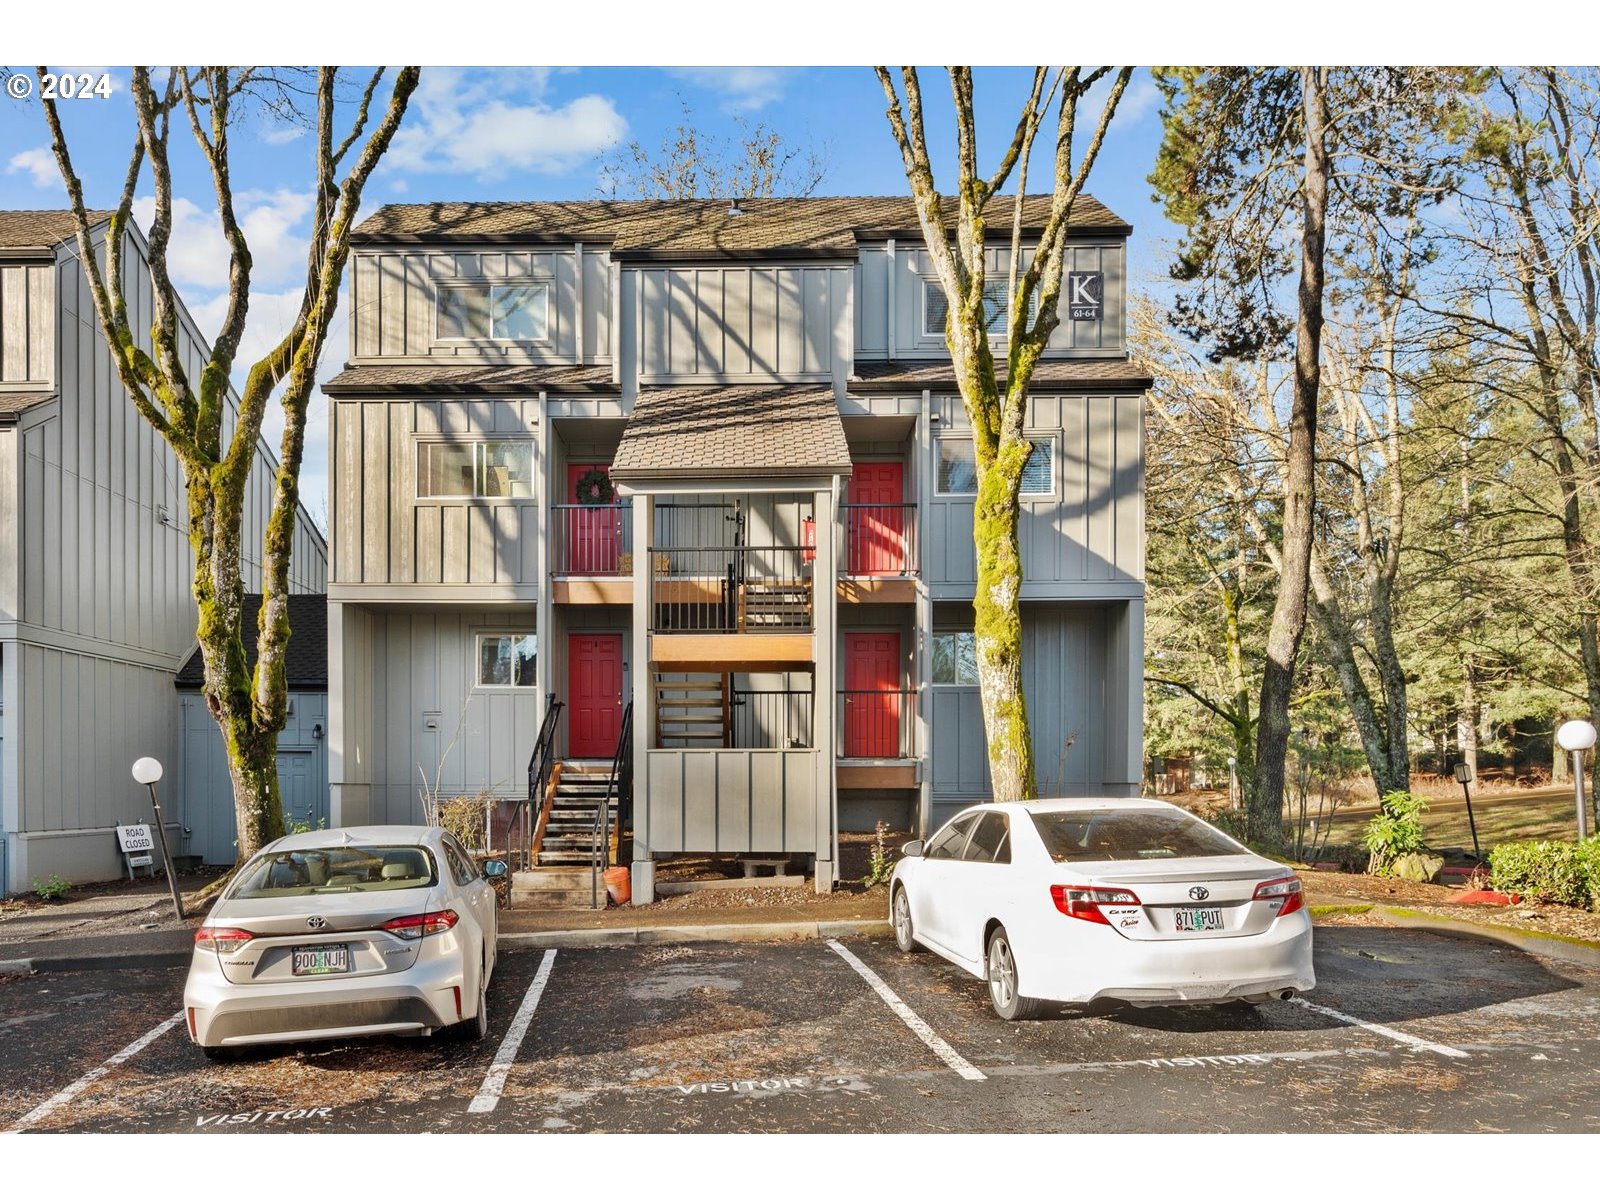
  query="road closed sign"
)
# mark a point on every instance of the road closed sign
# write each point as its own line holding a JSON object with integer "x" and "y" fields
{"x": 135, "y": 839}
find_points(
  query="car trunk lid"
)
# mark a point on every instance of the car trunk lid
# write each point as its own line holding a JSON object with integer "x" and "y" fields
{"x": 1183, "y": 899}
{"x": 347, "y": 927}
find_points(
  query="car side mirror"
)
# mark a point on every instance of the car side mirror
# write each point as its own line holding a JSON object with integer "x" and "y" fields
{"x": 493, "y": 869}
{"x": 912, "y": 849}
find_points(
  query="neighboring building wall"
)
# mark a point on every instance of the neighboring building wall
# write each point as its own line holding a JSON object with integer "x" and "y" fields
{"x": 104, "y": 613}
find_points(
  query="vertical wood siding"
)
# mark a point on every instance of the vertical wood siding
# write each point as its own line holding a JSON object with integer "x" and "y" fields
{"x": 733, "y": 801}
{"x": 741, "y": 323}
{"x": 1091, "y": 530}
{"x": 383, "y": 533}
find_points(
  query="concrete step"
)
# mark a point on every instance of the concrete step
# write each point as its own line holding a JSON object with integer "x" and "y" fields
{"x": 571, "y": 898}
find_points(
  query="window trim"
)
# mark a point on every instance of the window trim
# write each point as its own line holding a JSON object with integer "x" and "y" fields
{"x": 441, "y": 286}
{"x": 497, "y": 631}
{"x": 1051, "y": 437}
{"x": 473, "y": 442}
{"x": 926, "y": 335}
{"x": 938, "y": 461}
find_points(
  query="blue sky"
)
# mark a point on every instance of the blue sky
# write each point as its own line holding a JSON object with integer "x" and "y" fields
{"x": 538, "y": 133}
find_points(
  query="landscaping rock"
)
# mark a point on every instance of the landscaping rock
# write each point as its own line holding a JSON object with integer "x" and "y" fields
{"x": 1418, "y": 868}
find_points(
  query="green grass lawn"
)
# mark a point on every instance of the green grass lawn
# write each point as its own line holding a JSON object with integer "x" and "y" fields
{"x": 1500, "y": 819}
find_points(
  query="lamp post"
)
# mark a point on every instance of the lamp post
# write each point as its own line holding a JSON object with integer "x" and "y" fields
{"x": 148, "y": 772}
{"x": 1463, "y": 771}
{"x": 1575, "y": 737}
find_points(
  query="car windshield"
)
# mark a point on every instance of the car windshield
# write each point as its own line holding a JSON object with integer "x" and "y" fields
{"x": 335, "y": 869}
{"x": 1115, "y": 834}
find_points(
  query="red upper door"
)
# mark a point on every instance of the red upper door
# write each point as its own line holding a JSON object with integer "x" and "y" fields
{"x": 594, "y": 694}
{"x": 872, "y": 700}
{"x": 594, "y": 534}
{"x": 878, "y": 532}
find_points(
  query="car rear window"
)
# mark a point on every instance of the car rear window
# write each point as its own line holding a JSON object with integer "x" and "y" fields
{"x": 1117, "y": 834}
{"x": 336, "y": 869}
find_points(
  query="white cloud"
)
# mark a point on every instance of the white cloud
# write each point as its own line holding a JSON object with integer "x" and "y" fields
{"x": 282, "y": 135}
{"x": 39, "y": 164}
{"x": 741, "y": 88}
{"x": 490, "y": 125}
{"x": 1139, "y": 99}
{"x": 198, "y": 253}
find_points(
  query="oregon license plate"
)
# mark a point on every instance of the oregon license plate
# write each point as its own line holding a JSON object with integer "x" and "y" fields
{"x": 1199, "y": 920}
{"x": 321, "y": 960}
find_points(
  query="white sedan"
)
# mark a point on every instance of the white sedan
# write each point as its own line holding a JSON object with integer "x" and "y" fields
{"x": 1072, "y": 901}
{"x": 345, "y": 932}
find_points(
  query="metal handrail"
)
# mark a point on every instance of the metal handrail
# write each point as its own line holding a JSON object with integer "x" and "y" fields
{"x": 901, "y": 729}
{"x": 592, "y": 539}
{"x": 620, "y": 785}
{"x": 880, "y": 539}
{"x": 540, "y": 764}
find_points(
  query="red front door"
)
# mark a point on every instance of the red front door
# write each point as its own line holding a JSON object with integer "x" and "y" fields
{"x": 872, "y": 697}
{"x": 877, "y": 533}
{"x": 594, "y": 694}
{"x": 593, "y": 533}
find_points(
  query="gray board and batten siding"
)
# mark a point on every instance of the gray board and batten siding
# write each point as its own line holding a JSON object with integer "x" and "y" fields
{"x": 96, "y": 607}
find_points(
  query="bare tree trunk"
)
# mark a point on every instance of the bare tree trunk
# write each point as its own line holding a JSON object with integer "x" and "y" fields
{"x": 1289, "y": 612}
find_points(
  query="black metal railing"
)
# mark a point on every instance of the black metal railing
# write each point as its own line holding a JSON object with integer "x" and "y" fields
{"x": 769, "y": 719}
{"x": 525, "y": 812}
{"x": 619, "y": 787}
{"x": 592, "y": 539}
{"x": 877, "y": 723}
{"x": 731, "y": 589}
{"x": 880, "y": 539}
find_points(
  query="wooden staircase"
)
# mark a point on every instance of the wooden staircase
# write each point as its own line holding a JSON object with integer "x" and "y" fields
{"x": 568, "y": 835}
{"x": 694, "y": 712}
{"x": 774, "y": 604}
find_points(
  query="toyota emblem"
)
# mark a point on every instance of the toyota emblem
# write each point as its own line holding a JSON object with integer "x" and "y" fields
{"x": 319, "y": 923}
{"x": 1199, "y": 893}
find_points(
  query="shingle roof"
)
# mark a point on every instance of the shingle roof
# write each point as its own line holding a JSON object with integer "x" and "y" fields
{"x": 815, "y": 225}
{"x": 13, "y": 404}
{"x": 39, "y": 228}
{"x": 1067, "y": 374}
{"x": 461, "y": 379}
{"x": 305, "y": 661}
{"x": 701, "y": 432}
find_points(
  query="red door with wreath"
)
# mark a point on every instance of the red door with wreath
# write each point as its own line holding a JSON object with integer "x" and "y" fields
{"x": 877, "y": 532}
{"x": 594, "y": 528}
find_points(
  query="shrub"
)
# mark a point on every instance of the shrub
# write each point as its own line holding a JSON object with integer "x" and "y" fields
{"x": 1396, "y": 830}
{"x": 879, "y": 868}
{"x": 1562, "y": 872}
{"x": 464, "y": 817}
{"x": 52, "y": 889}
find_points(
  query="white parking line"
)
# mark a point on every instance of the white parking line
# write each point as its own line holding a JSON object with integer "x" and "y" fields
{"x": 1381, "y": 1030}
{"x": 116, "y": 1060}
{"x": 913, "y": 1022}
{"x": 494, "y": 1082}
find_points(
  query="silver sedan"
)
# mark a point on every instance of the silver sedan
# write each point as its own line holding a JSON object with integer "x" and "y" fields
{"x": 346, "y": 932}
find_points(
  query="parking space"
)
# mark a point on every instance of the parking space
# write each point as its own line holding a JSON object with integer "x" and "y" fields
{"x": 1406, "y": 1030}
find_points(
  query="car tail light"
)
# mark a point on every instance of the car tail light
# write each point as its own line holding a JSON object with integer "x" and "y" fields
{"x": 223, "y": 941}
{"x": 1084, "y": 903}
{"x": 1289, "y": 888}
{"x": 412, "y": 928}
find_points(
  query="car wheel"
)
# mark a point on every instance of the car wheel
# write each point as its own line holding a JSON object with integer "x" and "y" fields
{"x": 475, "y": 1029}
{"x": 1009, "y": 1004}
{"x": 900, "y": 918}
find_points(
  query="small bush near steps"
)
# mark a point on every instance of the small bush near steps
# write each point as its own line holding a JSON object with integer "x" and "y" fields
{"x": 1561, "y": 872}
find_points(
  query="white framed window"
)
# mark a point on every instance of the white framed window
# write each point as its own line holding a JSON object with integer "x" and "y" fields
{"x": 491, "y": 470}
{"x": 958, "y": 467}
{"x": 955, "y": 658}
{"x": 494, "y": 312}
{"x": 507, "y": 660}
{"x": 996, "y": 303}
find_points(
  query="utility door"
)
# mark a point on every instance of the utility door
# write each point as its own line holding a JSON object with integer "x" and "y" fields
{"x": 872, "y": 699}
{"x": 594, "y": 694}
{"x": 297, "y": 784}
{"x": 593, "y": 533}
{"x": 877, "y": 532}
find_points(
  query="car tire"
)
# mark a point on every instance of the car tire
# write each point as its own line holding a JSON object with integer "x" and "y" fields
{"x": 1000, "y": 971}
{"x": 476, "y": 1028}
{"x": 900, "y": 920}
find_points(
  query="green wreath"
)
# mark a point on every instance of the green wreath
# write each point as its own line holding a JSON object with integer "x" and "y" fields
{"x": 594, "y": 487}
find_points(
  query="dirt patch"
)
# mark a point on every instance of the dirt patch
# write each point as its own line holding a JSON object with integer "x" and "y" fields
{"x": 1339, "y": 889}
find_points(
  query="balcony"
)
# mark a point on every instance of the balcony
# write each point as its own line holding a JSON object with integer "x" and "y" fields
{"x": 592, "y": 549}
{"x": 877, "y": 734}
{"x": 881, "y": 562}
{"x": 731, "y": 608}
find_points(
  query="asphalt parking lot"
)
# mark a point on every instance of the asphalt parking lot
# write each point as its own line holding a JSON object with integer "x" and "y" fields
{"x": 1407, "y": 1030}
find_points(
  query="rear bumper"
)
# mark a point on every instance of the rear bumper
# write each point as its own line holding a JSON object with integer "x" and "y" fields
{"x": 1188, "y": 972}
{"x": 421, "y": 998}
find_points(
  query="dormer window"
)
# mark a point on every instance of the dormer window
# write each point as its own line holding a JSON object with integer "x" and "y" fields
{"x": 494, "y": 312}
{"x": 995, "y": 306}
